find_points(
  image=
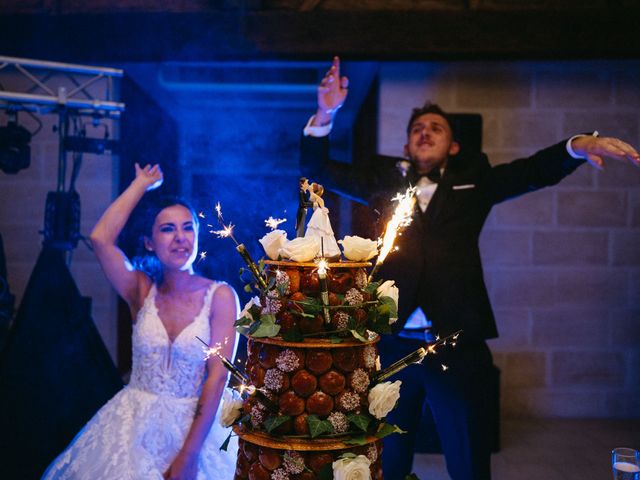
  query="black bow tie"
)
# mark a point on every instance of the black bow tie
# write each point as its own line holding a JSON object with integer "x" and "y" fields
{"x": 434, "y": 175}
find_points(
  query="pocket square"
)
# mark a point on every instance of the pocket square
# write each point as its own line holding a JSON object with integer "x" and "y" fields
{"x": 464, "y": 187}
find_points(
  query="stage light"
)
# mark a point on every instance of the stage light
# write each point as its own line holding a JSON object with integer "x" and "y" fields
{"x": 15, "y": 153}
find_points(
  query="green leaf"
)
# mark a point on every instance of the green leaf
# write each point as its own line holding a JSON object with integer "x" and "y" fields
{"x": 326, "y": 472}
{"x": 274, "y": 422}
{"x": 372, "y": 287}
{"x": 360, "y": 421}
{"x": 359, "y": 440}
{"x": 247, "y": 288}
{"x": 359, "y": 336}
{"x": 336, "y": 339}
{"x": 348, "y": 455}
{"x": 293, "y": 335}
{"x": 391, "y": 304}
{"x": 412, "y": 476}
{"x": 241, "y": 271}
{"x": 243, "y": 321}
{"x": 386, "y": 429}
{"x": 266, "y": 327}
{"x": 317, "y": 426}
{"x": 225, "y": 444}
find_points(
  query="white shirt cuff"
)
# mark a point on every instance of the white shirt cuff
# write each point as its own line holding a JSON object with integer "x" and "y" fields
{"x": 570, "y": 150}
{"x": 315, "y": 130}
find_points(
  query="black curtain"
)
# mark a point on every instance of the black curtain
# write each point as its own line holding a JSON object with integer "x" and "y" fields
{"x": 55, "y": 371}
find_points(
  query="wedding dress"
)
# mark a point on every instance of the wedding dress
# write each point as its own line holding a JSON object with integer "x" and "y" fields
{"x": 320, "y": 226}
{"x": 138, "y": 433}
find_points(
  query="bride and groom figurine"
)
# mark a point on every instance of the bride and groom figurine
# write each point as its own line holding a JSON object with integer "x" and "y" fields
{"x": 319, "y": 226}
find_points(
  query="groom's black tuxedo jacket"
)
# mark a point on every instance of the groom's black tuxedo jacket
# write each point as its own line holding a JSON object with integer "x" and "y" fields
{"x": 438, "y": 264}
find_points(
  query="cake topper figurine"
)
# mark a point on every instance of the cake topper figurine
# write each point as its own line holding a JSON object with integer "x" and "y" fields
{"x": 304, "y": 202}
{"x": 319, "y": 225}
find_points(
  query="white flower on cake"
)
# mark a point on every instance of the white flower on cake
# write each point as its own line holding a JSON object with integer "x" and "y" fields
{"x": 389, "y": 289}
{"x": 358, "y": 249}
{"x": 231, "y": 407}
{"x": 272, "y": 242}
{"x": 383, "y": 397}
{"x": 301, "y": 249}
{"x": 357, "y": 468}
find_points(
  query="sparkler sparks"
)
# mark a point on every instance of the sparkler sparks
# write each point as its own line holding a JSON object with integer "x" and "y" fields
{"x": 402, "y": 217}
{"x": 273, "y": 223}
{"x": 416, "y": 357}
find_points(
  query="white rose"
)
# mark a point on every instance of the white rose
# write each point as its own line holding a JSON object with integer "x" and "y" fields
{"x": 231, "y": 407}
{"x": 383, "y": 397}
{"x": 301, "y": 249}
{"x": 388, "y": 289}
{"x": 358, "y": 249}
{"x": 357, "y": 468}
{"x": 245, "y": 311}
{"x": 272, "y": 242}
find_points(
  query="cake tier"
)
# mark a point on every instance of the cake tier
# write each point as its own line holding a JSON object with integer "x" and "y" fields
{"x": 298, "y": 302}
{"x": 318, "y": 378}
{"x": 263, "y": 457}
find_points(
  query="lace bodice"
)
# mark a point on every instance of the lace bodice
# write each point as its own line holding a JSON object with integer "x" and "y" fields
{"x": 163, "y": 367}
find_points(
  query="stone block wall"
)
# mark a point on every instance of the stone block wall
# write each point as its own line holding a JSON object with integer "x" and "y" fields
{"x": 563, "y": 264}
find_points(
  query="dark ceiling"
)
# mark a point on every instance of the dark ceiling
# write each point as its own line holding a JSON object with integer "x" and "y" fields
{"x": 157, "y": 30}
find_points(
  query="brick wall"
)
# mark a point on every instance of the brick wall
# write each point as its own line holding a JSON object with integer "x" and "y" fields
{"x": 563, "y": 264}
{"x": 22, "y": 203}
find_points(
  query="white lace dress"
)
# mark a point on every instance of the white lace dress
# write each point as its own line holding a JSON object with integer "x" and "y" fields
{"x": 138, "y": 433}
{"x": 320, "y": 226}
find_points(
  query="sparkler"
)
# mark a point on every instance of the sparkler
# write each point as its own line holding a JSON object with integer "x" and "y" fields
{"x": 324, "y": 290}
{"x": 273, "y": 223}
{"x": 401, "y": 218}
{"x": 415, "y": 357}
{"x": 238, "y": 375}
{"x": 227, "y": 231}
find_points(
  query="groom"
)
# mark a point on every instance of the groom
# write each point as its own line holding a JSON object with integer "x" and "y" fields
{"x": 438, "y": 267}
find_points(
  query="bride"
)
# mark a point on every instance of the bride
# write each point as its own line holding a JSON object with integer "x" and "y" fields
{"x": 161, "y": 425}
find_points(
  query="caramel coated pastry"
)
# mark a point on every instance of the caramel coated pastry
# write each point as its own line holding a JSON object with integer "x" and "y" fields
{"x": 269, "y": 458}
{"x": 346, "y": 359}
{"x": 300, "y": 425}
{"x": 292, "y": 304}
{"x": 332, "y": 382}
{"x": 250, "y": 451}
{"x": 294, "y": 279}
{"x": 286, "y": 320}
{"x": 334, "y": 300}
{"x": 256, "y": 375}
{"x": 317, "y": 460}
{"x": 258, "y": 472}
{"x": 340, "y": 281}
{"x": 320, "y": 404}
{"x": 310, "y": 281}
{"x": 360, "y": 316}
{"x": 242, "y": 466}
{"x": 304, "y": 383}
{"x": 268, "y": 355}
{"x": 319, "y": 361}
{"x": 311, "y": 324}
{"x": 291, "y": 404}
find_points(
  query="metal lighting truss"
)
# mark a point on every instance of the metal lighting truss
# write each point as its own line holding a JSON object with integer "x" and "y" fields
{"x": 78, "y": 99}
{"x": 65, "y": 103}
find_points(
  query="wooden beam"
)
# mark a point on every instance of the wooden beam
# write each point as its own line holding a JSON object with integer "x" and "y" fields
{"x": 321, "y": 34}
